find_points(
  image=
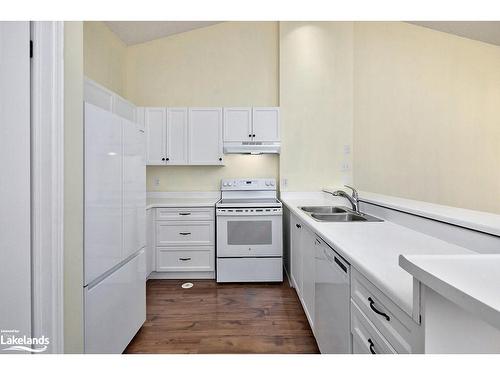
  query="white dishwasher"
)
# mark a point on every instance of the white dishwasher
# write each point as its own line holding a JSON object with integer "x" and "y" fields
{"x": 332, "y": 301}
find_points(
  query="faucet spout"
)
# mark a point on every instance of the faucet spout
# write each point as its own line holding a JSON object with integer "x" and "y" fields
{"x": 353, "y": 199}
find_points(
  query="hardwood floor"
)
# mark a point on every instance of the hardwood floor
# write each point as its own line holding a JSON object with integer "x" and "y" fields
{"x": 223, "y": 318}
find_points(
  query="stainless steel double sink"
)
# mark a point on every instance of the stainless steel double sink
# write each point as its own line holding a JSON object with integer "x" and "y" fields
{"x": 337, "y": 214}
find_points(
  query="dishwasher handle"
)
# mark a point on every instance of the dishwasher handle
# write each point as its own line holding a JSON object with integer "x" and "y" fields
{"x": 340, "y": 264}
{"x": 336, "y": 260}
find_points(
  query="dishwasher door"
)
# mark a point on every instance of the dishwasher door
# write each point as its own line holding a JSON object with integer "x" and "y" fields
{"x": 332, "y": 301}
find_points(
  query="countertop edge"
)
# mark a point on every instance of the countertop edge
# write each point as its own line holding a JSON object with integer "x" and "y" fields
{"x": 449, "y": 291}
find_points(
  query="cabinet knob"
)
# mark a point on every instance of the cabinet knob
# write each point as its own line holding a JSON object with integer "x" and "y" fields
{"x": 162, "y": 159}
{"x": 253, "y": 135}
{"x": 250, "y": 135}
{"x": 220, "y": 159}
{"x": 168, "y": 159}
{"x": 298, "y": 226}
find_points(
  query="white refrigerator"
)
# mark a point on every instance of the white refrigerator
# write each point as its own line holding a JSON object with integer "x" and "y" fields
{"x": 114, "y": 231}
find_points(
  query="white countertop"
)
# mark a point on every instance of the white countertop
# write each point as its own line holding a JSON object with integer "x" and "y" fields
{"x": 373, "y": 248}
{"x": 481, "y": 221}
{"x": 181, "y": 199}
{"x": 470, "y": 281}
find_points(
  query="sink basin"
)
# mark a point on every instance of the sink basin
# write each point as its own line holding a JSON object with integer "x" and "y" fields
{"x": 324, "y": 209}
{"x": 344, "y": 218}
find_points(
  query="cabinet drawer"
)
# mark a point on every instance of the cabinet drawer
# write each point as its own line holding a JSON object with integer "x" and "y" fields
{"x": 193, "y": 233}
{"x": 185, "y": 213}
{"x": 396, "y": 326}
{"x": 366, "y": 339}
{"x": 199, "y": 259}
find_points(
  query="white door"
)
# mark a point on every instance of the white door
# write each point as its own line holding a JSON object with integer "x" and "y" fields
{"x": 308, "y": 271}
{"x": 177, "y": 136}
{"x": 205, "y": 136}
{"x": 266, "y": 124}
{"x": 134, "y": 189}
{"x": 103, "y": 191}
{"x": 296, "y": 253}
{"x": 15, "y": 260}
{"x": 156, "y": 135}
{"x": 237, "y": 124}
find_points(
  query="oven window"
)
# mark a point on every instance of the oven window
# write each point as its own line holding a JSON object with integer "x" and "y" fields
{"x": 252, "y": 232}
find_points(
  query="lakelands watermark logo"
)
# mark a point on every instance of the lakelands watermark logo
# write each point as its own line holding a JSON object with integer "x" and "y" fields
{"x": 13, "y": 341}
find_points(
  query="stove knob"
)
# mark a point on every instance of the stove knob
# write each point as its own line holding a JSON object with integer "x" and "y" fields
{"x": 267, "y": 183}
{"x": 272, "y": 183}
{"x": 229, "y": 184}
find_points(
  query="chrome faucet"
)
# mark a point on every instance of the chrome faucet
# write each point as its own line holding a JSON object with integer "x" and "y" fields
{"x": 353, "y": 199}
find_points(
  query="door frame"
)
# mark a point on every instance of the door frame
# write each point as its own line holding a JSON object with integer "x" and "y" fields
{"x": 47, "y": 182}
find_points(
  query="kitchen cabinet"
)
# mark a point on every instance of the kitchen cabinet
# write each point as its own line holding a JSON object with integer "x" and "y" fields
{"x": 296, "y": 254}
{"x": 302, "y": 265}
{"x": 266, "y": 124}
{"x": 184, "y": 241}
{"x": 251, "y": 124}
{"x": 238, "y": 124}
{"x": 177, "y": 136}
{"x": 205, "y": 136}
{"x": 182, "y": 136}
{"x": 155, "y": 119}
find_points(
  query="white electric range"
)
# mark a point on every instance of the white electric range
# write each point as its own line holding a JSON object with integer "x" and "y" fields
{"x": 249, "y": 231}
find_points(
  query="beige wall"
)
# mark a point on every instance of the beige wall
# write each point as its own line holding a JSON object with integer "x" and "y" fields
{"x": 316, "y": 103}
{"x": 427, "y": 110}
{"x": 73, "y": 187}
{"x": 105, "y": 56}
{"x": 228, "y": 64}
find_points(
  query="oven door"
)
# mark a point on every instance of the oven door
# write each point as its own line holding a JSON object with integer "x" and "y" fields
{"x": 249, "y": 236}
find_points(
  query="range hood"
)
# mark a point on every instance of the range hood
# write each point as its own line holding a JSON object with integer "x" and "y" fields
{"x": 255, "y": 147}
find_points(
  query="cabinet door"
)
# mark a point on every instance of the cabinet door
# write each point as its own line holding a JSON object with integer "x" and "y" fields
{"x": 266, "y": 124}
{"x": 308, "y": 271}
{"x": 139, "y": 117}
{"x": 237, "y": 124}
{"x": 103, "y": 191}
{"x": 296, "y": 255}
{"x": 134, "y": 189}
{"x": 205, "y": 136}
{"x": 177, "y": 136}
{"x": 156, "y": 135}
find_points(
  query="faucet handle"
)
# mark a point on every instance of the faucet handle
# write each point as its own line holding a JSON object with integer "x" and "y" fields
{"x": 354, "y": 191}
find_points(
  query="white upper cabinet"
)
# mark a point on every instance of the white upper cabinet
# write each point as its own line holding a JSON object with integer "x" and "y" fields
{"x": 238, "y": 124}
{"x": 139, "y": 117}
{"x": 205, "y": 136}
{"x": 266, "y": 124}
{"x": 155, "y": 120}
{"x": 177, "y": 136}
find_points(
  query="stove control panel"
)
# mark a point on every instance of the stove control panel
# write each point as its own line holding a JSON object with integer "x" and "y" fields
{"x": 249, "y": 184}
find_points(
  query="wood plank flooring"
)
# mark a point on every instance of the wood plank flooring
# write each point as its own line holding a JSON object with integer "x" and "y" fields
{"x": 223, "y": 318}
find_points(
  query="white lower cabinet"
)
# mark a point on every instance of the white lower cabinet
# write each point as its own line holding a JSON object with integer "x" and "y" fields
{"x": 302, "y": 265}
{"x": 377, "y": 324}
{"x": 185, "y": 241}
{"x": 365, "y": 337}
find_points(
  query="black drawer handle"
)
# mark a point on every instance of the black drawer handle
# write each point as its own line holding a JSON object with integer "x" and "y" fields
{"x": 372, "y": 346}
{"x": 184, "y": 233}
{"x": 184, "y": 259}
{"x": 184, "y": 213}
{"x": 372, "y": 306}
{"x": 298, "y": 225}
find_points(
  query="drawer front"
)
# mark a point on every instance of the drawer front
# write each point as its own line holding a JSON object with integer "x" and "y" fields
{"x": 184, "y": 233}
{"x": 394, "y": 324}
{"x": 188, "y": 260}
{"x": 184, "y": 214}
{"x": 366, "y": 339}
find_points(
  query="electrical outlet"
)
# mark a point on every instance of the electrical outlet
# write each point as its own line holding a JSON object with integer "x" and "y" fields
{"x": 156, "y": 181}
{"x": 347, "y": 149}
